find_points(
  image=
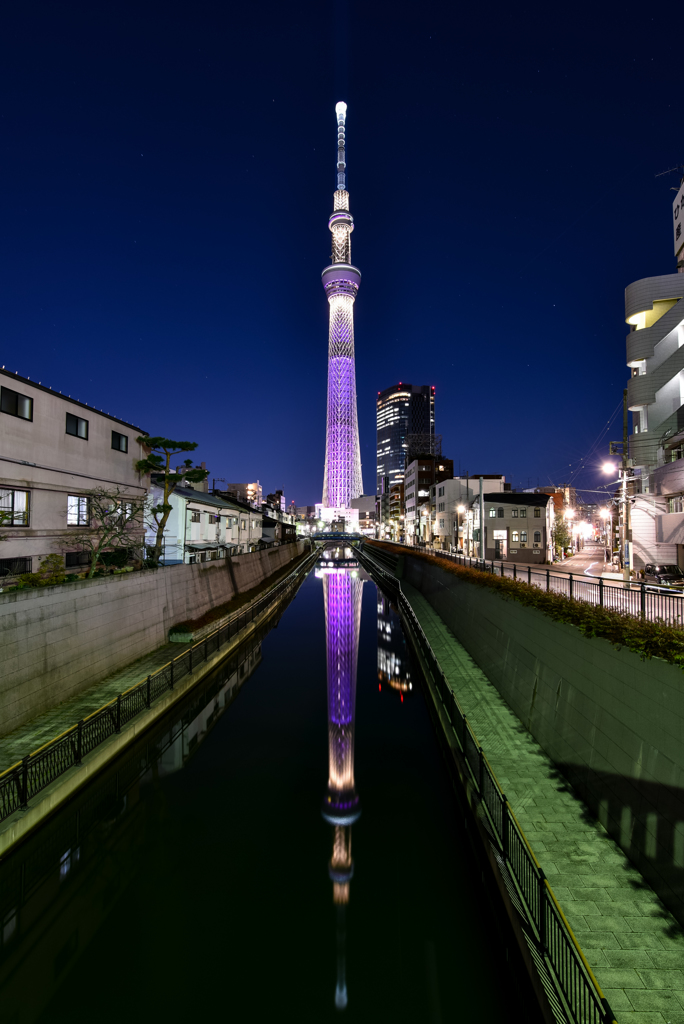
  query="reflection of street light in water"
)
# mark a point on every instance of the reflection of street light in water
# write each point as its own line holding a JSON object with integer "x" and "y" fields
{"x": 342, "y": 593}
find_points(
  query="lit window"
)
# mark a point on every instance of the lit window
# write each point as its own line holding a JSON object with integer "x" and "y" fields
{"x": 76, "y": 426}
{"x": 15, "y": 404}
{"x": 514, "y": 513}
{"x": 492, "y": 513}
{"x": 675, "y": 504}
{"x": 523, "y": 513}
{"x": 523, "y": 536}
{"x": 14, "y": 508}
{"x": 77, "y": 510}
{"x": 119, "y": 441}
{"x": 514, "y": 537}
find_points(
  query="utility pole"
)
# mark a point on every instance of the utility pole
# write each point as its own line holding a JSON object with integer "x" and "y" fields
{"x": 626, "y": 538}
{"x": 482, "y": 522}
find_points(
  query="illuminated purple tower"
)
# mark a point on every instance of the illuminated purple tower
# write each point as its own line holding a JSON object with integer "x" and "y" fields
{"x": 342, "y": 477}
{"x": 342, "y": 592}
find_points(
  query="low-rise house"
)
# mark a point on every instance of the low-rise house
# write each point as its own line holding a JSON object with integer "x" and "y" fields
{"x": 278, "y": 527}
{"x": 420, "y": 475}
{"x": 54, "y": 449}
{"x": 451, "y": 514}
{"x": 205, "y": 527}
{"x": 518, "y": 527}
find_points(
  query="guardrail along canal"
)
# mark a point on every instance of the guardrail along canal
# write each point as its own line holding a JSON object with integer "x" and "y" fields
{"x": 284, "y": 846}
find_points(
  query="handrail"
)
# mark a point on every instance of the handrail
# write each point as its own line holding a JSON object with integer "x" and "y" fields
{"x": 573, "y": 976}
{"x": 26, "y": 778}
{"x": 638, "y": 599}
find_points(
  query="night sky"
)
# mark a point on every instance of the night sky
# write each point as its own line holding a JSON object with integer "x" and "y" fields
{"x": 167, "y": 175}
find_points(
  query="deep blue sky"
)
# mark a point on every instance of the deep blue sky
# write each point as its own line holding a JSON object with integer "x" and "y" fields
{"x": 167, "y": 175}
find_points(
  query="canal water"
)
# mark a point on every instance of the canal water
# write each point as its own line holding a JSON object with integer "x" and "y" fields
{"x": 285, "y": 846}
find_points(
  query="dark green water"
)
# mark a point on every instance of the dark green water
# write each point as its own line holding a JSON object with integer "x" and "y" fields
{"x": 190, "y": 882}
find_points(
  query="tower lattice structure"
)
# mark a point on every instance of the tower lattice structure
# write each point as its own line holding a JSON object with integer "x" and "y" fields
{"x": 342, "y": 478}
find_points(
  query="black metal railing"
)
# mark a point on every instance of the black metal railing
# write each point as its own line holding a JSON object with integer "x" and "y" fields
{"x": 642, "y": 600}
{"x": 35, "y": 772}
{"x": 578, "y": 989}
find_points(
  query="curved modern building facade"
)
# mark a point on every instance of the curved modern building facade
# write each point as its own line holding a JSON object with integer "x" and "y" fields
{"x": 654, "y": 309}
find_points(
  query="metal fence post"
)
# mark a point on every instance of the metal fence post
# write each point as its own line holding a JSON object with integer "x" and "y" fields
{"x": 601, "y": 592}
{"x": 529, "y": 574}
{"x": 79, "y": 742}
{"x": 504, "y": 826}
{"x": 147, "y": 692}
{"x": 24, "y": 783}
{"x": 643, "y": 600}
{"x": 542, "y": 911}
{"x": 570, "y": 584}
{"x": 515, "y": 571}
{"x": 548, "y": 574}
{"x": 118, "y": 713}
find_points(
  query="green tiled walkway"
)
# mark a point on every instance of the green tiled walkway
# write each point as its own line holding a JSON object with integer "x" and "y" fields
{"x": 35, "y": 733}
{"x": 634, "y": 945}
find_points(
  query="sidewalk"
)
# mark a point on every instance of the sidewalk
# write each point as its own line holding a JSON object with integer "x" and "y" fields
{"x": 633, "y": 944}
{"x": 27, "y": 738}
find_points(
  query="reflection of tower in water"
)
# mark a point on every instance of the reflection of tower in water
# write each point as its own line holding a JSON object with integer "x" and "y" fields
{"x": 342, "y": 592}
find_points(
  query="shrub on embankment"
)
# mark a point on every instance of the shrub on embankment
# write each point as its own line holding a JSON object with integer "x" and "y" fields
{"x": 647, "y": 638}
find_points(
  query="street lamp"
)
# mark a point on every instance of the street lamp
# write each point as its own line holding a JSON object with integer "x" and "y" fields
{"x": 624, "y": 473}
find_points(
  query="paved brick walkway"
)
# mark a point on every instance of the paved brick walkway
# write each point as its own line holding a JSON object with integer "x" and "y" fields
{"x": 634, "y": 945}
{"x": 38, "y": 731}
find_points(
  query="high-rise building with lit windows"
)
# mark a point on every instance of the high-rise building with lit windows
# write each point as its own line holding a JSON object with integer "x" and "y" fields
{"x": 402, "y": 409}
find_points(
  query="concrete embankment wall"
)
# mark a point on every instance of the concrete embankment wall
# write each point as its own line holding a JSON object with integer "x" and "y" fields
{"x": 613, "y": 724}
{"x": 57, "y": 641}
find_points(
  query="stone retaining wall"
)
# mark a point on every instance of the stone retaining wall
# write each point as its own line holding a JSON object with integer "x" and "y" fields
{"x": 57, "y": 641}
{"x": 613, "y": 724}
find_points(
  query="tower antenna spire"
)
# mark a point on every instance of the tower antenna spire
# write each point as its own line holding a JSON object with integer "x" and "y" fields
{"x": 341, "y": 112}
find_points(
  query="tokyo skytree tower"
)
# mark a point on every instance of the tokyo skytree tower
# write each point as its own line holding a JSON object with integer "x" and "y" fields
{"x": 342, "y": 478}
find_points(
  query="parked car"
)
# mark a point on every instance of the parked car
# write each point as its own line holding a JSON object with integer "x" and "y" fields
{"x": 665, "y": 575}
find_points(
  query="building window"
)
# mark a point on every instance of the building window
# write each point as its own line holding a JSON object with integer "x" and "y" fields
{"x": 537, "y": 536}
{"x": 537, "y": 513}
{"x": 14, "y": 508}
{"x": 243, "y": 524}
{"x": 212, "y": 519}
{"x": 77, "y": 510}
{"x": 441, "y": 491}
{"x": 514, "y": 513}
{"x": 514, "y": 537}
{"x": 15, "y": 404}
{"x": 675, "y": 504}
{"x": 76, "y": 426}
{"x": 501, "y": 513}
{"x": 523, "y": 513}
{"x": 441, "y": 524}
{"x": 492, "y": 513}
{"x": 119, "y": 441}
{"x": 75, "y": 558}
{"x": 14, "y": 566}
{"x": 523, "y": 536}
{"x": 196, "y": 517}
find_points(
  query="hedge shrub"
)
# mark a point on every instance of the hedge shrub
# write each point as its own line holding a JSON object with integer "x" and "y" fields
{"x": 647, "y": 638}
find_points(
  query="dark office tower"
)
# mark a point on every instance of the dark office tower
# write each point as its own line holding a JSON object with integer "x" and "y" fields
{"x": 402, "y": 410}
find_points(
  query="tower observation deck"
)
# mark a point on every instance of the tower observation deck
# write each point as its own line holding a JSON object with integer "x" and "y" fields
{"x": 342, "y": 478}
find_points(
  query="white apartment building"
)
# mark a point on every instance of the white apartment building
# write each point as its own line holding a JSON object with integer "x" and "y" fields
{"x": 204, "y": 527}
{"x": 451, "y": 512}
{"x": 53, "y": 450}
